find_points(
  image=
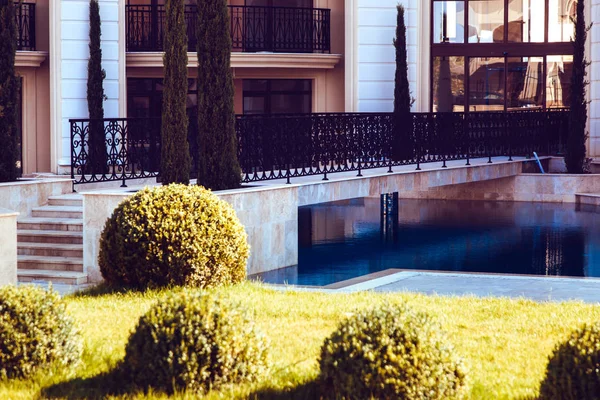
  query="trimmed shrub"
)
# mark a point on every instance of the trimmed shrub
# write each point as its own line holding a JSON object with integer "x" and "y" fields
{"x": 173, "y": 235}
{"x": 390, "y": 352}
{"x": 35, "y": 332}
{"x": 194, "y": 341}
{"x": 573, "y": 371}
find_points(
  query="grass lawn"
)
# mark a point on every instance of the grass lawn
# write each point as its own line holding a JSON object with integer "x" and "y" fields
{"x": 504, "y": 342}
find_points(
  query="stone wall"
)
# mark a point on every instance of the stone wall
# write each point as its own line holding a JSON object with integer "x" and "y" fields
{"x": 23, "y": 196}
{"x": 270, "y": 216}
{"x": 8, "y": 247}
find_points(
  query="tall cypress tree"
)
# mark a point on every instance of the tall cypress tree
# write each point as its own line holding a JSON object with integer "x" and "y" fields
{"x": 9, "y": 87}
{"x": 402, "y": 146}
{"x": 576, "y": 146}
{"x": 175, "y": 154}
{"x": 218, "y": 166}
{"x": 95, "y": 96}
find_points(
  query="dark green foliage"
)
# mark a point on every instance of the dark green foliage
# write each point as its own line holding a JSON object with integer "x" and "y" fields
{"x": 175, "y": 162}
{"x": 173, "y": 235}
{"x": 573, "y": 371}
{"x": 390, "y": 352}
{"x": 576, "y": 141}
{"x": 194, "y": 341}
{"x": 218, "y": 166}
{"x": 97, "y": 156}
{"x": 35, "y": 332}
{"x": 402, "y": 148}
{"x": 9, "y": 89}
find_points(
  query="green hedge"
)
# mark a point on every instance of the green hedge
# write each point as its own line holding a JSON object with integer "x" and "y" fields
{"x": 173, "y": 235}
{"x": 35, "y": 332}
{"x": 194, "y": 341}
{"x": 390, "y": 352}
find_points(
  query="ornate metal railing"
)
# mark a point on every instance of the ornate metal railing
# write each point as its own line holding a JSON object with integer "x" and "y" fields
{"x": 25, "y": 18}
{"x": 288, "y": 146}
{"x": 253, "y": 29}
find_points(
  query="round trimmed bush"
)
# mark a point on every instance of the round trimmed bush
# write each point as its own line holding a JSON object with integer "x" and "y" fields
{"x": 173, "y": 235}
{"x": 194, "y": 341}
{"x": 573, "y": 370}
{"x": 390, "y": 352}
{"x": 35, "y": 332}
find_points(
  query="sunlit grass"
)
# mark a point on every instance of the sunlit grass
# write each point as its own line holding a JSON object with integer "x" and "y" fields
{"x": 504, "y": 342}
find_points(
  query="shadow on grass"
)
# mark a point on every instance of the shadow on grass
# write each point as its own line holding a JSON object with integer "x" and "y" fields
{"x": 95, "y": 387}
{"x": 308, "y": 391}
{"x": 102, "y": 289}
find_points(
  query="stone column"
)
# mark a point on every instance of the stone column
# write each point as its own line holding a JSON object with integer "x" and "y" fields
{"x": 8, "y": 247}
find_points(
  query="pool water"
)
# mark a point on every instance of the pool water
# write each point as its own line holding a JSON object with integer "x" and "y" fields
{"x": 344, "y": 240}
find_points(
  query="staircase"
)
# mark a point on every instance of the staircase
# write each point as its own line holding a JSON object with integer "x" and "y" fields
{"x": 50, "y": 242}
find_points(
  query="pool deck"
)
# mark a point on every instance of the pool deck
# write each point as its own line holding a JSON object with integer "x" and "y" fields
{"x": 537, "y": 288}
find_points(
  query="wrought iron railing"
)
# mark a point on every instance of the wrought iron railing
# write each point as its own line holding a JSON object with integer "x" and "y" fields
{"x": 25, "y": 18}
{"x": 288, "y": 146}
{"x": 253, "y": 29}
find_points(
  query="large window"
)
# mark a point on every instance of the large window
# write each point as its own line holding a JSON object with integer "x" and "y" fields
{"x": 494, "y": 55}
{"x": 277, "y": 96}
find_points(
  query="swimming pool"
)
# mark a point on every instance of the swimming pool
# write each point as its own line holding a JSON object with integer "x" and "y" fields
{"x": 343, "y": 240}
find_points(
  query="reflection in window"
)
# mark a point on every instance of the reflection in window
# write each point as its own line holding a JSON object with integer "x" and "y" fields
{"x": 560, "y": 26}
{"x": 486, "y": 84}
{"x": 448, "y": 22}
{"x": 277, "y": 96}
{"x": 448, "y": 84}
{"x": 558, "y": 81}
{"x": 525, "y": 21}
{"x": 486, "y": 21}
{"x": 524, "y": 82}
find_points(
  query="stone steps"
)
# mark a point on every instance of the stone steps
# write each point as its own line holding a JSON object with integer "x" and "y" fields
{"x": 58, "y": 277}
{"x": 50, "y": 242}
{"x": 73, "y": 212}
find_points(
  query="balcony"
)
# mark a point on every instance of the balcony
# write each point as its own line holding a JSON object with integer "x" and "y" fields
{"x": 25, "y": 18}
{"x": 253, "y": 29}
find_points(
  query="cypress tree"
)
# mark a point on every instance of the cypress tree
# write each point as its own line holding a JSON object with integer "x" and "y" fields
{"x": 175, "y": 155}
{"x": 401, "y": 146}
{"x": 9, "y": 87}
{"x": 95, "y": 97}
{"x": 218, "y": 166}
{"x": 576, "y": 141}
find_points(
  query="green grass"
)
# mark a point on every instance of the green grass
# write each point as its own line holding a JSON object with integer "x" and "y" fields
{"x": 505, "y": 343}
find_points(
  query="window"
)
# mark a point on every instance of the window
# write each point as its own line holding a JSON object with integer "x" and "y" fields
{"x": 277, "y": 96}
{"x": 495, "y": 55}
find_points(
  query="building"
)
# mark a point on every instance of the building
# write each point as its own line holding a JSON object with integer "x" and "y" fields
{"x": 299, "y": 56}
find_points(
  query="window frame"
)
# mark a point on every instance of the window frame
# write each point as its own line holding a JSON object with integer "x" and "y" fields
{"x": 504, "y": 49}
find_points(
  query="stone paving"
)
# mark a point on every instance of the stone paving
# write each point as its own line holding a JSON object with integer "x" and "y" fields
{"x": 484, "y": 285}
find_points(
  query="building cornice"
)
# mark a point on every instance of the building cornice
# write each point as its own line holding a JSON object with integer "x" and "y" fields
{"x": 247, "y": 60}
{"x": 30, "y": 58}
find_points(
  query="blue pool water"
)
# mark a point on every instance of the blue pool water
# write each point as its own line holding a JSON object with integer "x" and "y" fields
{"x": 340, "y": 241}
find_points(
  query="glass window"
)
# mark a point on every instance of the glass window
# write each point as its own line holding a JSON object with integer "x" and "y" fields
{"x": 558, "y": 81}
{"x": 448, "y": 84}
{"x": 560, "y": 15}
{"x": 525, "y": 21}
{"x": 486, "y": 21}
{"x": 448, "y": 22}
{"x": 524, "y": 83}
{"x": 486, "y": 84}
{"x": 277, "y": 96}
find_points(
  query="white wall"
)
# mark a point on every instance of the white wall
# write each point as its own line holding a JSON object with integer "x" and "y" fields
{"x": 74, "y": 59}
{"x": 376, "y": 60}
{"x": 594, "y": 89}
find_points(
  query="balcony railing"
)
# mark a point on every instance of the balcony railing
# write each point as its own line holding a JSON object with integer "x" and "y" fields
{"x": 253, "y": 29}
{"x": 289, "y": 146}
{"x": 25, "y": 16}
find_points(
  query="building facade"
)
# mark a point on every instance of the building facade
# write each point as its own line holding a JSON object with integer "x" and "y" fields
{"x": 302, "y": 56}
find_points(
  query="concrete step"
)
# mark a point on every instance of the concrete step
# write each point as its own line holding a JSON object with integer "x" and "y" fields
{"x": 51, "y": 224}
{"x": 50, "y": 250}
{"x": 72, "y": 200}
{"x": 36, "y": 236}
{"x": 57, "y": 277}
{"x": 71, "y": 264}
{"x": 58, "y": 212}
